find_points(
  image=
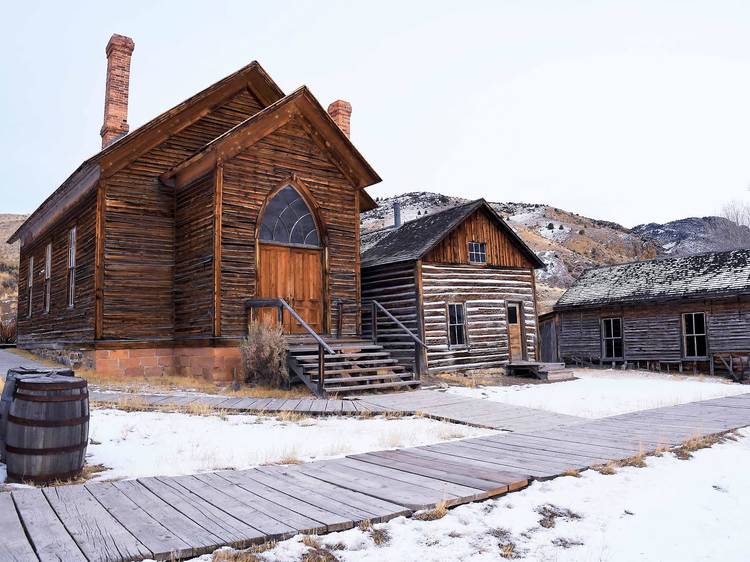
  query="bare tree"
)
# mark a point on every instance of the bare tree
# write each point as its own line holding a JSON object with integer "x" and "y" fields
{"x": 738, "y": 234}
{"x": 737, "y": 211}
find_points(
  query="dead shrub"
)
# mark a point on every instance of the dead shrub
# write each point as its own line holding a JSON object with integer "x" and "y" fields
{"x": 8, "y": 331}
{"x": 550, "y": 513}
{"x": 264, "y": 353}
{"x": 636, "y": 461}
{"x": 380, "y": 537}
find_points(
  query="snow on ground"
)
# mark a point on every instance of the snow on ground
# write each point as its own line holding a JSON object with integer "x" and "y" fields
{"x": 136, "y": 444}
{"x": 670, "y": 510}
{"x": 599, "y": 393}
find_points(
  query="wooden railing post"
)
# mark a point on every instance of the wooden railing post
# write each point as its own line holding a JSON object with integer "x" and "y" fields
{"x": 339, "y": 319}
{"x": 321, "y": 370}
{"x": 374, "y": 322}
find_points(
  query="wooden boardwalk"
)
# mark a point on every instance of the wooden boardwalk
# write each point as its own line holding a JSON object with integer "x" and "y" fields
{"x": 429, "y": 403}
{"x": 179, "y": 517}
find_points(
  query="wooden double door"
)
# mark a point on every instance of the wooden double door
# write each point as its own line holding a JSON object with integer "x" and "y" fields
{"x": 296, "y": 275}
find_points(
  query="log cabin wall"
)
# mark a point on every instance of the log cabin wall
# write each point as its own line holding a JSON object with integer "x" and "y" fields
{"x": 395, "y": 287}
{"x": 501, "y": 251}
{"x": 61, "y": 324}
{"x": 193, "y": 300}
{"x": 485, "y": 292}
{"x": 653, "y": 332}
{"x": 139, "y": 249}
{"x": 249, "y": 178}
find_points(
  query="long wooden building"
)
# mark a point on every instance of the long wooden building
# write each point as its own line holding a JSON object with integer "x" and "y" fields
{"x": 143, "y": 260}
{"x": 682, "y": 313}
{"x": 461, "y": 280}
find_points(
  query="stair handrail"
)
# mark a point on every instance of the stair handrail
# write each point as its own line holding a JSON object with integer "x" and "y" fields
{"x": 282, "y": 305}
{"x": 418, "y": 358}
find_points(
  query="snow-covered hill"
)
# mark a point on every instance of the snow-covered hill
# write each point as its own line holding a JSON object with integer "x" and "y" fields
{"x": 570, "y": 243}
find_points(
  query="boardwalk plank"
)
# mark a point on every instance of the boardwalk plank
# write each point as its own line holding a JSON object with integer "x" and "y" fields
{"x": 52, "y": 542}
{"x": 14, "y": 546}
{"x": 99, "y": 535}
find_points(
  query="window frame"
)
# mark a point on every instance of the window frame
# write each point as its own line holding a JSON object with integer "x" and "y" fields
{"x": 694, "y": 335}
{"x": 613, "y": 339}
{"x": 47, "y": 277}
{"x": 30, "y": 288}
{"x": 456, "y": 306}
{"x": 263, "y": 226}
{"x": 480, "y": 250}
{"x": 71, "y": 274}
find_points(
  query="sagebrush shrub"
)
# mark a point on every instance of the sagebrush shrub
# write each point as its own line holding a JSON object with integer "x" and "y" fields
{"x": 8, "y": 331}
{"x": 264, "y": 356}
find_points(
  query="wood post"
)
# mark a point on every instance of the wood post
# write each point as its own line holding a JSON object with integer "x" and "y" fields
{"x": 321, "y": 370}
{"x": 374, "y": 320}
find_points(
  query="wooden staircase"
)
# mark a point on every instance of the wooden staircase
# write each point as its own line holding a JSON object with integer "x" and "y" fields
{"x": 357, "y": 365}
{"x": 543, "y": 371}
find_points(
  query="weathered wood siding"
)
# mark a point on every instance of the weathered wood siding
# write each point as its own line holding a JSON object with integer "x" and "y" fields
{"x": 501, "y": 249}
{"x": 248, "y": 180}
{"x": 140, "y": 246}
{"x": 193, "y": 299}
{"x": 654, "y": 332}
{"x": 485, "y": 291}
{"x": 394, "y": 286}
{"x": 61, "y": 323}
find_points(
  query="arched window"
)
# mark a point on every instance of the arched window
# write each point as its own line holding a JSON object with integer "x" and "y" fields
{"x": 287, "y": 219}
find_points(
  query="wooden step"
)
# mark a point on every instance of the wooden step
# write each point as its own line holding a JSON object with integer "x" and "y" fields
{"x": 310, "y": 349}
{"x": 397, "y": 376}
{"x": 357, "y": 356}
{"x": 365, "y": 387}
{"x": 389, "y": 369}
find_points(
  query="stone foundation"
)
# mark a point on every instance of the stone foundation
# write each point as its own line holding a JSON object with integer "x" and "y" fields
{"x": 212, "y": 363}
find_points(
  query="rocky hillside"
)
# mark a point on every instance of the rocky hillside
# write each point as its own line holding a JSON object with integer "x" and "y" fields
{"x": 8, "y": 264}
{"x": 570, "y": 243}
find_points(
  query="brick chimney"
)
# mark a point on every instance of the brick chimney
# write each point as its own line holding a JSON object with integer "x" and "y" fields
{"x": 341, "y": 112}
{"x": 119, "y": 50}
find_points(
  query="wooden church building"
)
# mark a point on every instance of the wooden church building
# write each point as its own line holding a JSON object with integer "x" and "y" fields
{"x": 461, "y": 280}
{"x": 142, "y": 261}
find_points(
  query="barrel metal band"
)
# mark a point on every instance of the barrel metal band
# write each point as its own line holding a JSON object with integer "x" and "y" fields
{"x": 49, "y": 451}
{"x": 47, "y": 423}
{"x": 28, "y": 385}
{"x": 64, "y": 398}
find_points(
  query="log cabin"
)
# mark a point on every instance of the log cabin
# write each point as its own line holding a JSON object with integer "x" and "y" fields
{"x": 461, "y": 280}
{"x": 146, "y": 259}
{"x": 683, "y": 313}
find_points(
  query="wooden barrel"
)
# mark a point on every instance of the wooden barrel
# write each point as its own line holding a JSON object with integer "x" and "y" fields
{"x": 11, "y": 377}
{"x": 47, "y": 429}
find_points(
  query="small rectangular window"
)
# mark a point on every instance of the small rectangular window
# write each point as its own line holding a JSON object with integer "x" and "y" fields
{"x": 30, "y": 286}
{"x": 612, "y": 341}
{"x": 72, "y": 267}
{"x": 477, "y": 252}
{"x": 456, "y": 324}
{"x": 47, "y": 276}
{"x": 694, "y": 335}
{"x": 512, "y": 314}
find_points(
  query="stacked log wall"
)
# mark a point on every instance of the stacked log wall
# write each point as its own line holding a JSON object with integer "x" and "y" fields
{"x": 485, "y": 292}
{"x": 394, "y": 286}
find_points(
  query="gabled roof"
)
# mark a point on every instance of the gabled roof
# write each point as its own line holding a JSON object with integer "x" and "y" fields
{"x": 414, "y": 239}
{"x": 300, "y": 102}
{"x": 129, "y": 147}
{"x": 705, "y": 275}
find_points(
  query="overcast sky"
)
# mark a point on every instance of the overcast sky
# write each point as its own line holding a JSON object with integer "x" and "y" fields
{"x": 627, "y": 111}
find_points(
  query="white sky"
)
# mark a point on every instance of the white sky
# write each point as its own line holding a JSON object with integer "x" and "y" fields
{"x": 633, "y": 111}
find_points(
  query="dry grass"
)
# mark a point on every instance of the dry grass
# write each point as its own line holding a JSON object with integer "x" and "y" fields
{"x": 635, "y": 461}
{"x": 606, "y": 469}
{"x": 551, "y": 513}
{"x": 88, "y": 472}
{"x": 697, "y": 442}
{"x": 380, "y": 537}
{"x": 572, "y": 472}
{"x": 292, "y": 416}
{"x": 438, "y": 512}
{"x": 365, "y": 525}
{"x": 245, "y": 555}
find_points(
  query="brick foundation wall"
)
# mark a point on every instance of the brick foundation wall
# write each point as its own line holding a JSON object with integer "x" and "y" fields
{"x": 212, "y": 363}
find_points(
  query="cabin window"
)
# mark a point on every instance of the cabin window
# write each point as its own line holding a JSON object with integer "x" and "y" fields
{"x": 72, "y": 267}
{"x": 513, "y": 314}
{"x": 30, "y": 286}
{"x": 456, "y": 324}
{"x": 612, "y": 342}
{"x": 694, "y": 334}
{"x": 288, "y": 220}
{"x": 478, "y": 252}
{"x": 47, "y": 276}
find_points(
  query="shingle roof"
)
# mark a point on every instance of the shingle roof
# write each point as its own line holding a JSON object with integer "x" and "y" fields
{"x": 712, "y": 274}
{"x": 414, "y": 239}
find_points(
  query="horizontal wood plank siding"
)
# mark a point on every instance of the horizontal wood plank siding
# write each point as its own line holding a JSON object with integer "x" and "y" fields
{"x": 248, "y": 180}
{"x": 485, "y": 292}
{"x": 139, "y": 260}
{"x": 193, "y": 300}
{"x": 393, "y": 286}
{"x": 61, "y": 324}
{"x": 501, "y": 249}
{"x": 653, "y": 332}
